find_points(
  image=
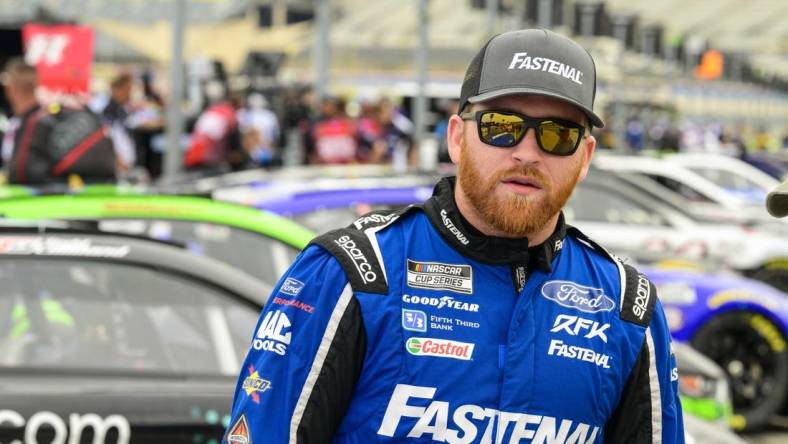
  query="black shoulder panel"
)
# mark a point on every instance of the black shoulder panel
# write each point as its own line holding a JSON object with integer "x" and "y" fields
{"x": 639, "y": 297}
{"x": 630, "y": 423}
{"x": 354, "y": 252}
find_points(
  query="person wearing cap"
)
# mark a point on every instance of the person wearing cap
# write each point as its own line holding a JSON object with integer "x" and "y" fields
{"x": 479, "y": 316}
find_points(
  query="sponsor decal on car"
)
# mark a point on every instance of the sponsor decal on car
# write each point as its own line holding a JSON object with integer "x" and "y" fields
{"x": 56, "y": 246}
{"x": 470, "y": 419}
{"x": 291, "y": 287}
{"x": 414, "y": 320}
{"x": 88, "y": 424}
{"x": 439, "y": 276}
{"x": 575, "y": 326}
{"x": 558, "y": 348}
{"x": 294, "y": 303}
{"x": 274, "y": 333}
{"x": 253, "y": 385}
{"x": 440, "y": 348}
{"x": 239, "y": 432}
{"x": 441, "y": 302}
{"x": 572, "y": 295}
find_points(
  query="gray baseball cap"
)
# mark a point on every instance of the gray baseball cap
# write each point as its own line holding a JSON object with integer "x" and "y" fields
{"x": 777, "y": 201}
{"x": 532, "y": 61}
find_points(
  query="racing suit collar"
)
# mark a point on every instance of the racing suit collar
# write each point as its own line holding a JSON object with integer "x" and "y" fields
{"x": 462, "y": 236}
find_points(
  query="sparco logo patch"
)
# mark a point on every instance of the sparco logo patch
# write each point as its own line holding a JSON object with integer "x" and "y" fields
{"x": 472, "y": 423}
{"x": 571, "y": 295}
{"x": 291, "y": 286}
{"x": 359, "y": 260}
{"x": 438, "y": 276}
{"x": 521, "y": 60}
{"x": 274, "y": 333}
{"x": 441, "y": 348}
{"x": 453, "y": 228}
{"x": 643, "y": 295}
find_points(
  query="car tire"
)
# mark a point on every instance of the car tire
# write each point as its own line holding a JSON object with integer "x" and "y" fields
{"x": 776, "y": 277}
{"x": 752, "y": 351}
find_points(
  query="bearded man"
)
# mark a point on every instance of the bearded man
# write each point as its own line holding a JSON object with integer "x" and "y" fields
{"x": 480, "y": 316}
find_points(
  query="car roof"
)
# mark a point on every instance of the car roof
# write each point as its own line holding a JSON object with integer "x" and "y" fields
{"x": 19, "y": 243}
{"x": 185, "y": 208}
{"x": 648, "y": 165}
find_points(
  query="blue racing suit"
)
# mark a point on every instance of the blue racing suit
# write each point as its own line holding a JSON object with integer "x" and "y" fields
{"x": 412, "y": 326}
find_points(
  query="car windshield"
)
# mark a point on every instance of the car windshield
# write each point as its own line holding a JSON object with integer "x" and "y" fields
{"x": 592, "y": 204}
{"x": 260, "y": 256}
{"x": 102, "y": 317}
{"x": 733, "y": 183}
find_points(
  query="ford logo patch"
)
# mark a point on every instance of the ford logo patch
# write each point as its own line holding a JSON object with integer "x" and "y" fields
{"x": 291, "y": 286}
{"x": 572, "y": 295}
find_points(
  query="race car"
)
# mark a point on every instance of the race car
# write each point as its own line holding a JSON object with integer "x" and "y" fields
{"x": 259, "y": 243}
{"x": 742, "y": 325}
{"x": 118, "y": 339}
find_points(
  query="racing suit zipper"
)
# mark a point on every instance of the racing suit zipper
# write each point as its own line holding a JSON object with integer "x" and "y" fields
{"x": 519, "y": 276}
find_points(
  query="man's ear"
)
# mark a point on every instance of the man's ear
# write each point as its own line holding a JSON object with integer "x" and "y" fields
{"x": 454, "y": 136}
{"x": 589, "y": 146}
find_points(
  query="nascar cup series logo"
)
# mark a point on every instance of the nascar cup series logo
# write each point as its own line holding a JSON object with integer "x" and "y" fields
{"x": 572, "y": 295}
{"x": 440, "y": 348}
{"x": 438, "y": 276}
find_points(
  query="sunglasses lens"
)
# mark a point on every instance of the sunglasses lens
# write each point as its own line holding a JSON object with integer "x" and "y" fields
{"x": 557, "y": 138}
{"x": 501, "y": 130}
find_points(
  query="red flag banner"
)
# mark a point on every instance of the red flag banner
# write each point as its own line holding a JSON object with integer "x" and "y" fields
{"x": 62, "y": 55}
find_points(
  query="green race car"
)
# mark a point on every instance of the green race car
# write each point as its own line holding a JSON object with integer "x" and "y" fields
{"x": 259, "y": 243}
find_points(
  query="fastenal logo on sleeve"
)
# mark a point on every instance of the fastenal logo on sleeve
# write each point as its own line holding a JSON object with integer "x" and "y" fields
{"x": 441, "y": 348}
{"x": 438, "y": 276}
{"x": 571, "y": 295}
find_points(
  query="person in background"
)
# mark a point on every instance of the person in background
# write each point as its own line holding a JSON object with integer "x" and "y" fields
{"x": 260, "y": 130}
{"x": 333, "y": 137}
{"x": 215, "y": 145}
{"x": 116, "y": 115}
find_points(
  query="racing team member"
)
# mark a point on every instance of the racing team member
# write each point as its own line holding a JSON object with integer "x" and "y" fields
{"x": 480, "y": 316}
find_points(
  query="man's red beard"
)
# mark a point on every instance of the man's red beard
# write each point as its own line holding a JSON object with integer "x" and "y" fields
{"x": 515, "y": 215}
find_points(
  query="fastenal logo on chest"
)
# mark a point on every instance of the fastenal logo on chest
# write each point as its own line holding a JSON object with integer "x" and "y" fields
{"x": 466, "y": 423}
{"x": 571, "y": 295}
{"x": 438, "y": 276}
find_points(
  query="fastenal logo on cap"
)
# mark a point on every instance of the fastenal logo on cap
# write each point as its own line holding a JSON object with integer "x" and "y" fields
{"x": 532, "y": 61}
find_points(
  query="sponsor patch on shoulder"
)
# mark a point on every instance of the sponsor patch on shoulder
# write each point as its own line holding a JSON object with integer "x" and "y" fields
{"x": 239, "y": 432}
{"x": 438, "y": 276}
{"x": 291, "y": 286}
{"x": 573, "y": 295}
